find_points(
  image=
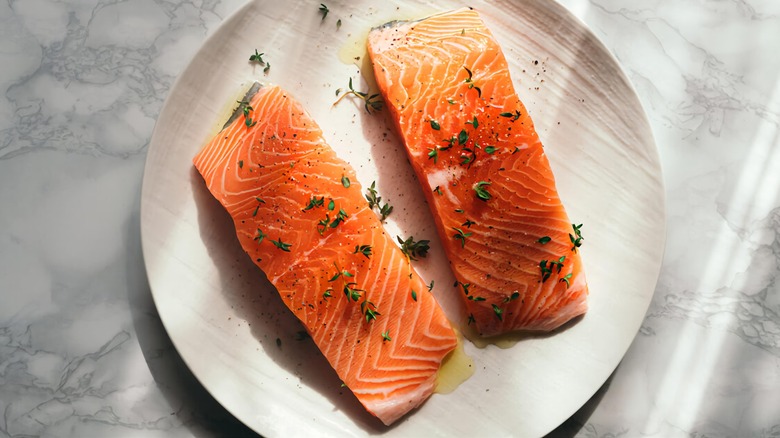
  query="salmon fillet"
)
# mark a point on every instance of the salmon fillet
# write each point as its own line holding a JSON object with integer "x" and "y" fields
{"x": 300, "y": 215}
{"x": 484, "y": 172}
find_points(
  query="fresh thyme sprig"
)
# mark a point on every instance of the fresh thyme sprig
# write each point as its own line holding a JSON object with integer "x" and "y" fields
{"x": 414, "y": 249}
{"x": 372, "y": 102}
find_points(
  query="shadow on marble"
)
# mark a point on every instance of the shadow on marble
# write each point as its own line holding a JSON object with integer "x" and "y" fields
{"x": 257, "y": 303}
{"x": 579, "y": 421}
{"x": 192, "y": 405}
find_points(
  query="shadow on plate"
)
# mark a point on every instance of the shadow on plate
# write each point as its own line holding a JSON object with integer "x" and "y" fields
{"x": 257, "y": 303}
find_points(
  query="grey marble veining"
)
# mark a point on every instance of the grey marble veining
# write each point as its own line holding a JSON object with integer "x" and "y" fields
{"x": 83, "y": 352}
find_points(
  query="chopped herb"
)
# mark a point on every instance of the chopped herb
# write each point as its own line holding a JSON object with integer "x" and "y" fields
{"x": 458, "y": 210}
{"x": 514, "y": 296}
{"x": 249, "y": 122}
{"x": 363, "y": 249}
{"x": 451, "y": 102}
{"x": 315, "y": 203}
{"x": 498, "y": 312}
{"x": 471, "y": 318}
{"x": 281, "y": 245}
{"x": 468, "y": 223}
{"x": 559, "y": 263}
{"x": 546, "y": 267}
{"x": 342, "y": 215}
{"x": 463, "y": 137}
{"x": 339, "y": 273}
{"x": 544, "y": 240}
{"x": 338, "y": 24}
{"x": 566, "y": 279}
{"x": 471, "y": 83}
{"x": 437, "y": 190}
{"x": 260, "y": 235}
{"x": 435, "y": 125}
{"x": 267, "y": 67}
{"x": 460, "y": 235}
{"x": 473, "y": 298}
{"x": 468, "y": 159}
{"x": 516, "y": 115}
{"x": 414, "y": 295}
{"x": 322, "y": 224}
{"x": 450, "y": 142}
{"x": 338, "y": 91}
{"x": 517, "y": 149}
{"x": 433, "y": 153}
{"x": 331, "y": 205}
{"x": 576, "y": 238}
{"x": 481, "y": 192}
{"x": 465, "y": 286}
{"x": 414, "y": 249}
{"x": 386, "y": 336}
{"x": 430, "y": 286}
{"x": 256, "y": 210}
{"x": 327, "y": 293}
{"x": 345, "y": 181}
{"x": 240, "y": 164}
{"x": 257, "y": 57}
{"x": 371, "y": 314}
{"x": 490, "y": 149}
{"x": 324, "y": 10}
{"x": 473, "y": 122}
{"x": 385, "y": 211}
{"x": 351, "y": 292}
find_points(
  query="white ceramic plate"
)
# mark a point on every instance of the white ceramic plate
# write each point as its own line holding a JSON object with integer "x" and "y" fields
{"x": 225, "y": 318}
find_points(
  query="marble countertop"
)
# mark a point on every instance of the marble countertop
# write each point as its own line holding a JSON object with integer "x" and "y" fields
{"x": 83, "y": 351}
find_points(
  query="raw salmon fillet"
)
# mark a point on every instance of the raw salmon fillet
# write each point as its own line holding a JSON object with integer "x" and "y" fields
{"x": 315, "y": 238}
{"x": 487, "y": 180}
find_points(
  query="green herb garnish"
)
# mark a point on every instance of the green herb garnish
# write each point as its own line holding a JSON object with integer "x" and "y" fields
{"x": 576, "y": 238}
{"x": 460, "y": 235}
{"x": 463, "y": 137}
{"x": 366, "y": 308}
{"x": 435, "y": 125}
{"x": 544, "y": 240}
{"x": 324, "y": 11}
{"x": 490, "y": 149}
{"x": 281, "y": 245}
{"x": 315, "y": 203}
{"x": 566, "y": 279}
{"x": 260, "y": 236}
{"x": 514, "y": 296}
{"x": 414, "y": 249}
{"x": 470, "y": 82}
{"x": 386, "y": 336}
{"x": 482, "y": 193}
{"x": 498, "y": 312}
{"x": 257, "y": 57}
{"x": 345, "y": 181}
{"x": 371, "y": 102}
{"x": 366, "y": 250}
{"x": 473, "y": 122}
{"x": 414, "y": 295}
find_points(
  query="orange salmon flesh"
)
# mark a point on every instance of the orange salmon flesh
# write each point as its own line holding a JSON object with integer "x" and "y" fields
{"x": 304, "y": 225}
{"x": 474, "y": 149}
